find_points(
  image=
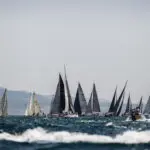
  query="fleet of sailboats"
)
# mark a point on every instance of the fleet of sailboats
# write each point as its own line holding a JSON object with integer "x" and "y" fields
{"x": 62, "y": 104}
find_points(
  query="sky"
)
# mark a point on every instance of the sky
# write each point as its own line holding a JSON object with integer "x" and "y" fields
{"x": 105, "y": 42}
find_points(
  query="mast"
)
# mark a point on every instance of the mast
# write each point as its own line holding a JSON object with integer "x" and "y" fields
{"x": 147, "y": 107}
{"x": 119, "y": 99}
{"x": 112, "y": 105}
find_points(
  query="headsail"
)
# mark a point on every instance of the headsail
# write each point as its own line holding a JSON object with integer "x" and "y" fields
{"x": 112, "y": 105}
{"x": 129, "y": 106}
{"x": 141, "y": 105}
{"x": 58, "y": 104}
{"x": 120, "y": 108}
{"x": 119, "y": 99}
{"x": 80, "y": 101}
{"x": 147, "y": 107}
{"x": 4, "y": 104}
{"x": 93, "y": 105}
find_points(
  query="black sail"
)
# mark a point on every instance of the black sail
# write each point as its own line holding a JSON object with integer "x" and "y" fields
{"x": 96, "y": 106}
{"x": 129, "y": 105}
{"x": 147, "y": 107}
{"x": 89, "y": 106}
{"x": 120, "y": 108}
{"x": 77, "y": 107}
{"x": 141, "y": 105}
{"x": 58, "y": 104}
{"x": 119, "y": 99}
{"x": 112, "y": 105}
{"x": 80, "y": 101}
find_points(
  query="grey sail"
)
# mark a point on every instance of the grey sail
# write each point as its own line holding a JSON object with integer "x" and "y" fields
{"x": 116, "y": 107}
{"x": 147, "y": 107}
{"x": 69, "y": 98}
{"x": 58, "y": 104}
{"x": 93, "y": 105}
{"x": 141, "y": 105}
{"x": 4, "y": 104}
{"x": 96, "y": 106}
{"x": 129, "y": 106}
{"x": 80, "y": 101}
{"x": 112, "y": 105}
{"x": 89, "y": 106}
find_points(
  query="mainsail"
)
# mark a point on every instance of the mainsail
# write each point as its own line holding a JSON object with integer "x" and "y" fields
{"x": 80, "y": 101}
{"x": 33, "y": 108}
{"x": 69, "y": 105}
{"x": 4, "y": 104}
{"x": 93, "y": 105}
{"x": 58, "y": 104}
{"x": 147, "y": 107}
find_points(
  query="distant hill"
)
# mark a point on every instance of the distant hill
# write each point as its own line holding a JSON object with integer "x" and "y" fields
{"x": 18, "y": 100}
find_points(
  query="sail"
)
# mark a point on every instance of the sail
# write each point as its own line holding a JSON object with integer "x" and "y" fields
{"x": 4, "y": 104}
{"x": 37, "y": 109}
{"x": 129, "y": 105}
{"x": 119, "y": 99}
{"x": 58, "y": 104}
{"x": 141, "y": 105}
{"x": 147, "y": 107}
{"x": 112, "y": 105}
{"x": 96, "y": 106}
{"x": 89, "y": 106}
{"x": 33, "y": 108}
{"x": 120, "y": 108}
{"x": 80, "y": 101}
{"x": 69, "y": 104}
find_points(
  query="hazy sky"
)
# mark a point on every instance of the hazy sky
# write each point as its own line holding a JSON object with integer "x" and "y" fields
{"x": 101, "y": 41}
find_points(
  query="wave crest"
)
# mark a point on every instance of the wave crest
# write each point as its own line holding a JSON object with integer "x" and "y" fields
{"x": 39, "y": 135}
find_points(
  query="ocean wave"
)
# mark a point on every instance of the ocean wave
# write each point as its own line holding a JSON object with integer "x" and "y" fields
{"x": 39, "y": 135}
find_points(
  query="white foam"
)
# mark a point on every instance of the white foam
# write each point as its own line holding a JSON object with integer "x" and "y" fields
{"x": 109, "y": 124}
{"x": 39, "y": 135}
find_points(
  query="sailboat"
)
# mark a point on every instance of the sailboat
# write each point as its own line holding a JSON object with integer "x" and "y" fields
{"x": 128, "y": 107}
{"x": 58, "y": 104}
{"x": 116, "y": 106}
{"x": 93, "y": 107}
{"x": 147, "y": 108}
{"x": 4, "y": 105}
{"x": 33, "y": 107}
{"x": 69, "y": 109}
{"x": 80, "y": 102}
{"x": 141, "y": 105}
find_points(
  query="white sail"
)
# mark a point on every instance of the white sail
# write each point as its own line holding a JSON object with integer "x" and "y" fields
{"x": 69, "y": 106}
{"x": 33, "y": 108}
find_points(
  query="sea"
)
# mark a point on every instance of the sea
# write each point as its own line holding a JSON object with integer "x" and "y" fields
{"x": 83, "y": 133}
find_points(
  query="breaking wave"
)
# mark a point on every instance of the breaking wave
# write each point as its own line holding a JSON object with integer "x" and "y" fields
{"x": 39, "y": 135}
